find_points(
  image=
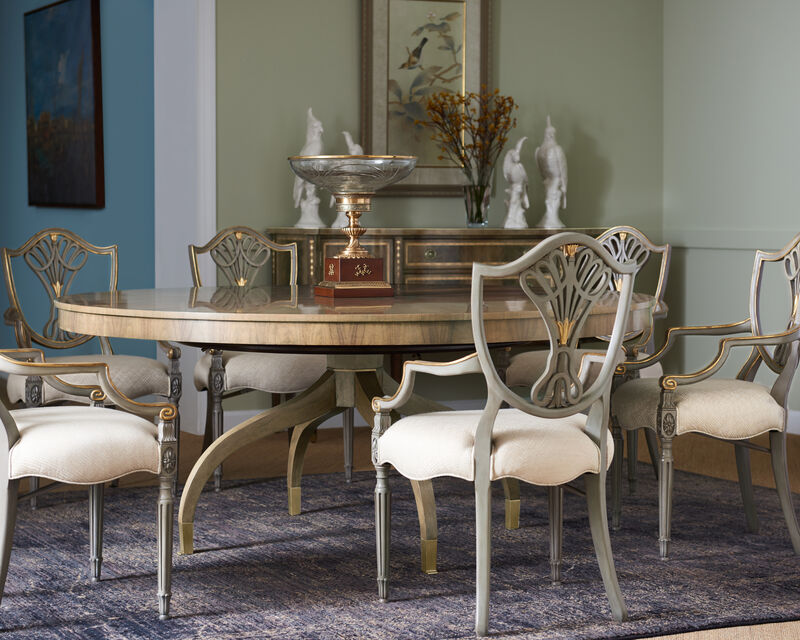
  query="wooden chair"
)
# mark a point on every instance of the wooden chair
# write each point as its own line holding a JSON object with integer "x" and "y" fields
{"x": 628, "y": 245}
{"x": 58, "y": 259}
{"x": 88, "y": 446}
{"x": 734, "y": 410}
{"x": 544, "y": 439}
{"x": 239, "y": 254}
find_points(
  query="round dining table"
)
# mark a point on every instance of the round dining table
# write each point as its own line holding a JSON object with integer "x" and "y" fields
{"x": 355, "y": 334}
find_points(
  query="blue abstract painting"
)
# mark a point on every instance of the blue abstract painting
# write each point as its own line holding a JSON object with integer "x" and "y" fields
{"x": 64, "y": 107}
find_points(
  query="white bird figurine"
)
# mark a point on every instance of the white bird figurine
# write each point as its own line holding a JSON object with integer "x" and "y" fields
{"x": 552, "y": 165}
{"x": 517, "y": 179}
{"x": 309, "y": 205}
{"x": 353, "y": 149}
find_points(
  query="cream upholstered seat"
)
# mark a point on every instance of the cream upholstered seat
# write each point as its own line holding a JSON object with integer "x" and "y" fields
{"x": 89, "y": 446}
{"x": 552, "y": 436}
{"x": 58, "y": 258}
{"x": 542, "y": 451}
{"x": 49, "y": 448}
{"x": 273, "y": 372}
{"x": 730, "y": 409}
{"x": 239, "y": 253}
{"x": 734, "y": 410}
{"x": 138, "y": 376}
{"x": 628, "y": 245}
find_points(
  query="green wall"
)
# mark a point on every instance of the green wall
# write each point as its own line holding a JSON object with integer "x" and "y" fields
{"x": 731, "y": 104}
{"x": 594, "y": 67}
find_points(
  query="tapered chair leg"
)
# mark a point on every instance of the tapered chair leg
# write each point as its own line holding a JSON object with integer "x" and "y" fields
{"x": 616, "y": 475}
{"x": 777, "y": 445}
{"x": 96, "y": 495}
{"x": 652, "y": 448}
{"x": 33, "y": 485}
{"x": 665, "y": 497}
{"x": 746, "y": 486}
{"x": 598, "y": 522}
{"x": 483, "y": 544}
{"x": 632, "y": 444}
{"x": 8, "y": 517}
{"x": 383, "y": 515}
{"x": 555, "y": 501}
{"x": 348, "y": 421}
{"x": 216, "y": 386}
{"x": 166, "y": 509}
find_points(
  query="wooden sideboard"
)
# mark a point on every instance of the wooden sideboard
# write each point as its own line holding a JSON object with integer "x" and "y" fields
{"x": 412, "y": 256}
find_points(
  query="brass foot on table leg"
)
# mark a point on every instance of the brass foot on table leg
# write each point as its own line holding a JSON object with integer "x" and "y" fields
{"x": 512, "y": 514}
{"x": 186, "y": 530}
{"x": 294, "y": 501}
{"x": 428, "y": 550}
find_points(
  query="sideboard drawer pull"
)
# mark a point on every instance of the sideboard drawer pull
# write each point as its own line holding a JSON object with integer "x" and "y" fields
{"x": 430, "y": 254}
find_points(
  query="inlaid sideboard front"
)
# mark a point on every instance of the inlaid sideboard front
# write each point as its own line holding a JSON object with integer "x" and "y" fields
{"x": 412, "y": 256}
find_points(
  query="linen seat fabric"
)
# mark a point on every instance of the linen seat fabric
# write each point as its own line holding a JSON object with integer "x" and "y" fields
{"x": 734, "y": 410}
{"x": 556, "y": 433}
{"x": 87, "y": 446}
{"x": 108, "y": 444}
{"x": 134, "y": 375}
{"x": 546, "y": 452}
{"x": 274, "y": 372}
{"x": 730, "y": 409}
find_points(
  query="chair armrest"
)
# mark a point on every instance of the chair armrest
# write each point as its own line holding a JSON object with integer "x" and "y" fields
{"x": 467, "y": 364}
{"x": 10, "y": 363}
{"x": 172, "y": 351}
{"x": 670, "y": 382}
{"x": 673, "y": 333}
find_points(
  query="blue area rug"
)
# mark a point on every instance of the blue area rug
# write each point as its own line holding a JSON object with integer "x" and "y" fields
{"x": 260, "y": 573}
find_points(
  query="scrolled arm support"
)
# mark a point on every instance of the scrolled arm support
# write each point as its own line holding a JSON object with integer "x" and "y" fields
{"x": 671, "y": 382}
{"x": 674, "y": 333}
{"x": 10, "y": 363}
{"x": 467, "y": 364}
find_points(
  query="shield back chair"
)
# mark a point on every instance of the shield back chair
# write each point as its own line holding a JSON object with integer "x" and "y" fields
{"x": 239, "y": 254}
{"x": 734, "y": 410}
{"x": 57, "y": 258}
{"x": 87, "y": 445}
{"x": 628, "y": 245}
{"x": 557, "y": 433}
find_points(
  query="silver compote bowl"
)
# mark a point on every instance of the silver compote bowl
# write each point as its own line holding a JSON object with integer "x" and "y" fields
{"x": 353, "y": 180}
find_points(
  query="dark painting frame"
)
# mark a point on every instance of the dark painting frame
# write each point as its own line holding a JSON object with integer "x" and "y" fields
{"x": 378, "y": 67}
{"x": 64, "y": 107}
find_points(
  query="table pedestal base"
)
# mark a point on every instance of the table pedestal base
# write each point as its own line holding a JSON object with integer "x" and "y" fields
{"x": 350, "y": 381}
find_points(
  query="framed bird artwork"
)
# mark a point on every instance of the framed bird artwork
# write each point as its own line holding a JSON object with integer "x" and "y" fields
{"x": 413, "y": 49}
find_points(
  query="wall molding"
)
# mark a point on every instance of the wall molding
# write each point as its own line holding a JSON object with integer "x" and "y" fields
{"x": 731, "y": 239}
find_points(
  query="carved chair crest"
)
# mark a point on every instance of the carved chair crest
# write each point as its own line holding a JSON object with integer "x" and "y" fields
{"x": 628, "y": 245}
{"x": 239, "y": 254}
{"x": 789, "y": 256}
{"x": 55, "y": 256}
{"x": 564, "y": 277}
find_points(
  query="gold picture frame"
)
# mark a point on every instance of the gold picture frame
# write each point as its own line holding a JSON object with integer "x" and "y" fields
{"x": 439, "y": 45}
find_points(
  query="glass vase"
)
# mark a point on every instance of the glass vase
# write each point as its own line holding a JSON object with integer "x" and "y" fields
{"x": 477, "y": 198}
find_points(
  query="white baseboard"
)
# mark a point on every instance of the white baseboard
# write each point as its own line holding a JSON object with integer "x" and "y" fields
{"x": 232, "y": 418}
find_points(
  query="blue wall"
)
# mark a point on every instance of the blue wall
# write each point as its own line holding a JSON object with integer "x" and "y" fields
{"x": 126, "y": 38}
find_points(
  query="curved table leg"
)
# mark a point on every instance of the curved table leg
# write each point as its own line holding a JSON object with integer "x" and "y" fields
{"x": 302, "y": 435}
{"x": 367, "y": 387}
{"x": 316, "y": 401}
{"x": 511, "y": 491}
